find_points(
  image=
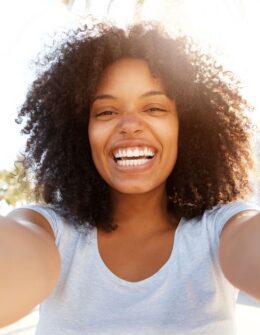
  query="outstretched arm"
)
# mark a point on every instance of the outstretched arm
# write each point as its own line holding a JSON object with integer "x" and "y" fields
{"x": 240, "y": 252}
{"x": 29, "y": 263}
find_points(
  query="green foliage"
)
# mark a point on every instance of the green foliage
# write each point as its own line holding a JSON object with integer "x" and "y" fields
{"x": 15, "y": 189}
{"x": 67, "y": 2}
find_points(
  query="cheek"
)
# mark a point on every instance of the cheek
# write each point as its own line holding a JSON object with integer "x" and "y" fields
{"x": 94, "y": 141}
{"x": 168, "y": 131}
{"x": 98, "y": 141}
{"x": 170, "y": 145}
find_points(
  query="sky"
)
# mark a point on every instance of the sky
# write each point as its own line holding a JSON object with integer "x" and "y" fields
{"x": 23, "y": 29}
{"x": 25, "y": 26}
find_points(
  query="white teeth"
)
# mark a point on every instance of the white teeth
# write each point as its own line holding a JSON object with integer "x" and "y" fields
{"x": 133, "y": 152}
{"x": 136, "y": 153}
{"x": 132, "y": 162}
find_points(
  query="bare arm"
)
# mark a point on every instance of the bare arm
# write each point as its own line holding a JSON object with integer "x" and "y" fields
{"x": 240, "y": 252}
{"x": 29, "y": 263}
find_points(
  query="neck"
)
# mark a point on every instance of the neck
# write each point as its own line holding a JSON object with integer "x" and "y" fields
{"x": 141, "y": 214}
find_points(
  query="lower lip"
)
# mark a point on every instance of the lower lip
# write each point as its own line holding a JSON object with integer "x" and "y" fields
{"x": 138, "y": 168}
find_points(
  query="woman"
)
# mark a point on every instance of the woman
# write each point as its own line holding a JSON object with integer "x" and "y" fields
{"x": 141, "y": 152}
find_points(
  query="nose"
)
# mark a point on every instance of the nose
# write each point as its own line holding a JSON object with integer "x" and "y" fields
{"x": 130, "y": 124}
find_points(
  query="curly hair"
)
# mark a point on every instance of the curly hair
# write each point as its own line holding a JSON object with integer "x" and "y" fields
{"x": 214, "y": 154}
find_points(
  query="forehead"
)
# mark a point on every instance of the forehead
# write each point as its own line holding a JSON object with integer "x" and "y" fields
{"x": 128, "y": 74}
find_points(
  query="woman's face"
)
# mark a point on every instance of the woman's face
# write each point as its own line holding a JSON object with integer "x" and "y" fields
{"x": 133, "y": 128}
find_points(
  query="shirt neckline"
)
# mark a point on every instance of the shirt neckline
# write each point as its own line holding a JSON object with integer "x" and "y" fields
{"x": 160, "y": 274}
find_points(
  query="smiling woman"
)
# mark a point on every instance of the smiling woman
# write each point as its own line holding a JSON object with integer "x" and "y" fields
{"x": 141, "y": 153}
{"x": 214, "y": 140}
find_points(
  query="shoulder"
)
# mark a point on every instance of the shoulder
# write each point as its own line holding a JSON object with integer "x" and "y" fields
{"x": 40, "y": 215}
{"x": 221, "y": 214}
{"x": 212, "y": 221}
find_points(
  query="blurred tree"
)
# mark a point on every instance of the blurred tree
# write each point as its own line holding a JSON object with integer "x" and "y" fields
{"x": 68, "y": 2}
{"x": 14, "y": 190}
{"x": 138, "y": 10}
{"x": 108, "y": 4}
{"x": 71, "y": 3}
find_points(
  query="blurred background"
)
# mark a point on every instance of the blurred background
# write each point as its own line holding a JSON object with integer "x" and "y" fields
{"x": 228, "y": 29}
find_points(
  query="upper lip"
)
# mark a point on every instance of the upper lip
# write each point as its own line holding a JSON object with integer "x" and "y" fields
{"x": 131, "y": 144}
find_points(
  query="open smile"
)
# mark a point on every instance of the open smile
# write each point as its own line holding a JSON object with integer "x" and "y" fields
{"x": 133, "y": 159}
{"x": 133, "y": 156}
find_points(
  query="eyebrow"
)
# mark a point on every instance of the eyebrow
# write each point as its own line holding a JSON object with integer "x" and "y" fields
{"x": 109, "y": 96}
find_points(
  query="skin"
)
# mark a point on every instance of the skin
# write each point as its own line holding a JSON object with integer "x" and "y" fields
{"x": 126, "y": 113}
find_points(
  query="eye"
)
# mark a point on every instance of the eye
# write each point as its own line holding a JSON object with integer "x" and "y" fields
{"x": 105, "y": 114}
{"x": 155, "y": 109}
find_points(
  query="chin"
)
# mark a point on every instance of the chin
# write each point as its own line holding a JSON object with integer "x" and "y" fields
{"x": 131, "y": 190}
{"x": 134, "y": 189}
